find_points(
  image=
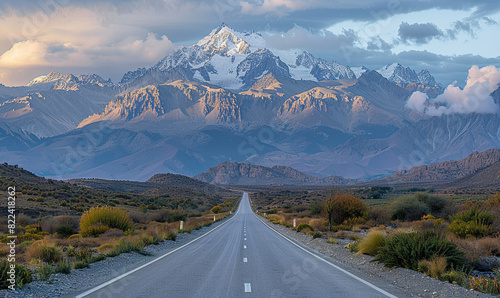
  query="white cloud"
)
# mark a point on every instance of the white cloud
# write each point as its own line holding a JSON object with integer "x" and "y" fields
{"x": 473, "y": 98}
{"x": 77, "y": 40}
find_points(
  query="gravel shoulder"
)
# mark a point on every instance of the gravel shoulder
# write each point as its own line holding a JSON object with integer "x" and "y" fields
{"x": 79, "y": 280}
{"x": 409, "y": 282}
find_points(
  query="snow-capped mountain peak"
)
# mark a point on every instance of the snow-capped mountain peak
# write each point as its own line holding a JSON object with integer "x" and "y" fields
{"x": 399, "y": 74}
{"x": 69, "y": 81}
{"x": 235, "y": 60}
{"x": 224, "y": 41}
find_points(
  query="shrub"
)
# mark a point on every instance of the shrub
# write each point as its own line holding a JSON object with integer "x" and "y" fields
{"x": 97, "y": 220}
{"x": 484, "y": 285}
{"x": 344, "y": 207}
{"x": 105, "y": 248}
{"x": 83, "y": 254}
{"x": 23, "y": 275}
{"x": 475, "y": 214}
{"x": 303, "y": 226}
{"x": 408, "y": 208}
{"x": 63, "y": 267}
{"x": 44, "y": 272}
{"x": 125, "y": 245}
{"x": 80, "y": 264}
{"x": 433, "y": 268}
{"x": 372, "y": 243}
{"x": 43, "y": 251}
{"x": 454, "y": 277}
{"x": 352, "y": 246}
{"x": 216, "y": 209}
{"x": 407, "y": 249}
{"x": 471, "y": 223}
{"x": 317, "y": 235}
{"x": 466, "y": 229}
{"x": 333, "y": 241}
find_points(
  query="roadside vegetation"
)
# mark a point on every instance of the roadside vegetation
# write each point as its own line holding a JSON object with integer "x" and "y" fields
{"x": 63, "y": 227}
{"x": 454, "y": 240}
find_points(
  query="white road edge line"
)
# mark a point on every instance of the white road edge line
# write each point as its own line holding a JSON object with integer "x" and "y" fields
{"x": 248, "y": 288}
{"x": 331, "y": 264}
{"x": 88, "y": 292}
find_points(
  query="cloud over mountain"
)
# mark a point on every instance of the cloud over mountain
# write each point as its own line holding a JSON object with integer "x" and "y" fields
{"x": 475, "y": 97}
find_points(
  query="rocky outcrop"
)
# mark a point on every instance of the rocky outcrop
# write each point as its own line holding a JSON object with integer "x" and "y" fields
{"x": 447, "y": 170}
{"x": 233, "y": 173}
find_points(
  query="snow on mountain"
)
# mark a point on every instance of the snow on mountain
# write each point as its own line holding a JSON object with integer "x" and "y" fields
{"x": 69, "y": 81}
{"x": 399, "y": 74}
{"x": 223, "y": 57}
{"x": 358, "y": 71}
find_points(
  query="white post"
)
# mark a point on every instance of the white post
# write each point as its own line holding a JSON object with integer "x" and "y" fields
{"x": 214, "y": 217}
{"x": 265, "y": 214}
{"x": 182, "y": 225}
{"x": 230, "y": 212}
{"x": 294, "y": 222}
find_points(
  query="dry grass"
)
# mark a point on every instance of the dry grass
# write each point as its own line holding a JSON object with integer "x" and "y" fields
{"x": 44, "y": 251}
{"x": 372, "y": 243}
{"x": 433, "y": 268}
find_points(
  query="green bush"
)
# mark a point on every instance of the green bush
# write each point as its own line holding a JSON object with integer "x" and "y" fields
{"x": 80, "y": 264}
{"x": 64, "y": 230}
{"x": 467, "y": 229}
{"x": 44, "y": 272}
{"x": 303, "y": 226}
{"x": 408, "y": 208}
{"x": 408, "y": 249}
{"x": 99, "y": 219}
{"x": 216, "y": 209}
{"x": 475, "y": 214}
{"x": 471, "y": 223}
{"x": 454, "y": 277}
{"x": 63, "y": 267}
{"x": 317, "y": 235}
{"x": 23, "y": 275}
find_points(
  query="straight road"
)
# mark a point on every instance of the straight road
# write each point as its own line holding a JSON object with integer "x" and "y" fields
{"x": 241, "y": 258}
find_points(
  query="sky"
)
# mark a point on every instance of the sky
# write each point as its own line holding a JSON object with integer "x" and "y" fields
{"x": 109, "y": 38}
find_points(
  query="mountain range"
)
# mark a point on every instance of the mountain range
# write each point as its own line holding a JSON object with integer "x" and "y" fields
{"x": 229, "y": 98}
{"x": 460, "y": 172}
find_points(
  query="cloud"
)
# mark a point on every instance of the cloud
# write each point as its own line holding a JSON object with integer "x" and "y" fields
{"x": 475, "y": 97}
{"x": 418, "y": 33}
{"x": 76, "y": 41}
{"x": 301, "y": 38}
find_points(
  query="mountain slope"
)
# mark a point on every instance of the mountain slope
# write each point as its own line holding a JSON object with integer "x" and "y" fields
{"x": 447, "y": 170}
{"x": 485, "y": 179}
{"x": 233, "y": 173}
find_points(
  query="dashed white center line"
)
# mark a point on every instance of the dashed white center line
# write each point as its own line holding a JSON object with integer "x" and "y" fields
{"x": 248, "y": 288}
{"x": 245, "y": 260}
{"x": 244, "y": 246}
{"x": 245, "y": 239}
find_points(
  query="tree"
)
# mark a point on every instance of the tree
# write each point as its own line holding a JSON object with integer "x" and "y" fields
{"x": 329, "y": 205}
{"x": 342, "y": 207}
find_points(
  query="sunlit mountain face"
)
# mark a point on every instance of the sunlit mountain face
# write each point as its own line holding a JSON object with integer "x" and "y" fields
{"x": 229, "y": 97}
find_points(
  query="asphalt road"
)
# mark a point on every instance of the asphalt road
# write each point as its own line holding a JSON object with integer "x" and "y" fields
{"x": 241, "y": 258}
